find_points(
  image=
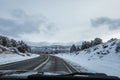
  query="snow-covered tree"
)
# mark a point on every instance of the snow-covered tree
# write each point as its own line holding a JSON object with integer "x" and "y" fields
{"x": 118, "y": 47}
{"x": 13, "y": 43}
{"x": 78, "y": 48}
{"x": 20, "y": 45}
{"x": 85, "y": 45}
{"x": 73, "y": 48}
{"x": 97, "y": 41}
{"x": 23, "y": 47}
{"x": 4, "y": 40}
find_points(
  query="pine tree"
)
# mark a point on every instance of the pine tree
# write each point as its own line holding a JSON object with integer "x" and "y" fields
{"x": 118, "y": 47}
{"x": 73, "y": 48}
{"x": 13, "y": 43}
{"x": 85, "y": 45}
{"x": 97, "y": 41}
{"x": 78, "y": 48}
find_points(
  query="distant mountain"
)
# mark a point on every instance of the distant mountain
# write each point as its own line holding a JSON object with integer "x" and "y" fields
{"x": 40, "y": 44}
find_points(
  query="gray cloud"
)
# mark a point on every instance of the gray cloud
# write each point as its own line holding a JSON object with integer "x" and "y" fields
{"x": 23, "y": 23}
{"x": 111, "y": 23}
{"x": 18, "y": 13}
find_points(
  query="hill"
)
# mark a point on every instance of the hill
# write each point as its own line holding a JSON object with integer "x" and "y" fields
{"x": 102, "y": 58}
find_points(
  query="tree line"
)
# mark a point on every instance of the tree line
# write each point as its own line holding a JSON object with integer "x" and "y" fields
{"x": 20, "y": 45}
{"x": 86, "y": 45}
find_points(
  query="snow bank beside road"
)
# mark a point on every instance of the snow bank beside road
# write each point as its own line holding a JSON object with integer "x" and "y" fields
{"x": 110, "y": 67}
{"x": 101, "y": 58}
{"x": 12, "y": 57}
{"x": 11, "y": 54}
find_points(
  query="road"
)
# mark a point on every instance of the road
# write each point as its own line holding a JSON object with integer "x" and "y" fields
{"x": 43, "y": 63}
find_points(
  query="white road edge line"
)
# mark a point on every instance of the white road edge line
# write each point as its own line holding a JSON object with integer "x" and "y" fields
{"x": 41, "y": 64}
{"x": 67, "y": 68}
{"x": 72, "y": 66}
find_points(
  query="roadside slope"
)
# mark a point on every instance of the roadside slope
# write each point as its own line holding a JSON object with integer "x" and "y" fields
{"x": 102, "y": 58}
{"x": 12, "y": 57}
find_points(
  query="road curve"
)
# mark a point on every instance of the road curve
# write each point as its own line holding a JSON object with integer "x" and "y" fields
{"x": 29, "y": 64}
{"x": 44, "y": 63}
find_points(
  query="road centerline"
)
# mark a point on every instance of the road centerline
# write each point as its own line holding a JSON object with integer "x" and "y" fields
{"x": 41, "y": 64}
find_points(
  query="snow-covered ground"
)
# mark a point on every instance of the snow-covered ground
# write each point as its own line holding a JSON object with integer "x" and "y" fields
{"x": 101, "y": 58}
{"x": 12, "y": 57}
{"x": 11, "y": 54}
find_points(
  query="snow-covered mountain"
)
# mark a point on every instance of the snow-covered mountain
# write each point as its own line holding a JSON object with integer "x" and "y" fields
{"x": 101, "y": 58}
{"x": 43, "y": 47}
{"x": 51, "y": 49}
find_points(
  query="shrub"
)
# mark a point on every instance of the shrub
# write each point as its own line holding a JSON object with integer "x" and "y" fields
{"x": 85, "y": 45}
{"x": 118, "y": 47}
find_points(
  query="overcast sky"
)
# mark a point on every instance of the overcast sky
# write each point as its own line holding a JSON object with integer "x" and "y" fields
{"x": 60, "y": 20}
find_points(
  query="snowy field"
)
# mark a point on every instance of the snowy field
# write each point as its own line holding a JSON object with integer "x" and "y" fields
{"x": 12, "y": 57}
{"x": 97, "y": 59}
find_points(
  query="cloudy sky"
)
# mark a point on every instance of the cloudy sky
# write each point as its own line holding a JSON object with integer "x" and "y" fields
{"x": 60, "y": 20}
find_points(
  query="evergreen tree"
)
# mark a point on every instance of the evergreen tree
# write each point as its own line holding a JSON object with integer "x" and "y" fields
{"x": 78, "y": 48}
{"x": 73, "y": 48}
{"x": 20, "y": 45}
{"x": 118, "y": 47}
{"x": 85, "y": 45}
{"x": 13, "y": 43}
{"x": 97, "y": 41}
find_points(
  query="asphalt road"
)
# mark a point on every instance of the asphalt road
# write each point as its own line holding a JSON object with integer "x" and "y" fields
{"x": 44, "y": 63}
